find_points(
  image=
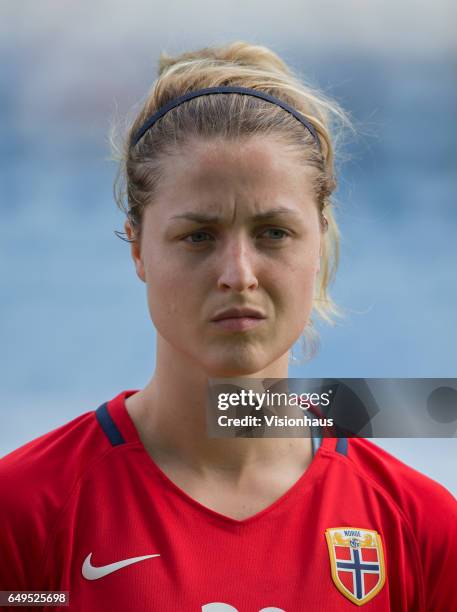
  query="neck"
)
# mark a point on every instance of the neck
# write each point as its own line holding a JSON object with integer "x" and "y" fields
{"x": 170, "y": 416}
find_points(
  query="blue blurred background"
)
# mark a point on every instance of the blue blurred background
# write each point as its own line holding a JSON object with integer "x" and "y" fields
{"x": 75, "y": 326}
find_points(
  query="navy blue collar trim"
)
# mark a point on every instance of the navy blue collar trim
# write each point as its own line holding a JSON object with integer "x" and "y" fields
{"x": 342, "y": 446}
{"x": 108, "y": 425}
{"x": 115, "y": 437}
{"x": 316, "y": 441}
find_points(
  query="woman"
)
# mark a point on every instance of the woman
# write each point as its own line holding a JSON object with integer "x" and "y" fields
{"x": 133, "y": 506}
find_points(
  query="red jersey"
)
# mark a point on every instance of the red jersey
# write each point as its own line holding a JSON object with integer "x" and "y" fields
{"x": 85, "y": 509}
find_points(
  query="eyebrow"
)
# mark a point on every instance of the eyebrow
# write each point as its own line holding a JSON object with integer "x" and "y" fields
{"x": 204, "y": 218}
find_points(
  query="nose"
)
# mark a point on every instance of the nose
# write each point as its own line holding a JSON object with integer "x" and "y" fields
{"x": 237, "y": 266}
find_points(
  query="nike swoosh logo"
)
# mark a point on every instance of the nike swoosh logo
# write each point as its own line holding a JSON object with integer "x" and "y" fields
{"x": 90, "y": 572}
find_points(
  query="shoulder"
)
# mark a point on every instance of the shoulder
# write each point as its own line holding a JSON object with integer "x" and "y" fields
{"x": 52, "y": 459}
{"x": 36, "y": 480}
{"x": 428, "y": 508}
{"x": 414, "y": 492}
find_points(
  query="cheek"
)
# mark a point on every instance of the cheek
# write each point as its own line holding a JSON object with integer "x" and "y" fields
{"x": 173, "y": 299}
{"x": 297, "y": 289}
{"x": 299, "y": 271}
{"x": 165, "y": 299}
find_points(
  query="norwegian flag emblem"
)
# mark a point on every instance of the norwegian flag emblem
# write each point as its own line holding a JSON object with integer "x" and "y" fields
{"x": 357, "y": 562}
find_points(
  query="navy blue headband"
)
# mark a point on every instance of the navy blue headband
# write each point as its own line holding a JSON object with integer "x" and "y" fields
{"x": 227, "y": 89}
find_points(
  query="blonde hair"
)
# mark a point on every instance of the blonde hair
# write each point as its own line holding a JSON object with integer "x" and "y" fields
{"x": 234, "y": 116}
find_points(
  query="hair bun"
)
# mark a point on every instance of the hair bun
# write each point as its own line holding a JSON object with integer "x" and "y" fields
{"x": 239, "y": 53}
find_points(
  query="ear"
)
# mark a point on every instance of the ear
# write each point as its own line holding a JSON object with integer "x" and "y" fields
{"x": 135, "y": 251}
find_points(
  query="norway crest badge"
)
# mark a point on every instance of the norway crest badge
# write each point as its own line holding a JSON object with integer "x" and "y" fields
{"x": 357, "y": 562}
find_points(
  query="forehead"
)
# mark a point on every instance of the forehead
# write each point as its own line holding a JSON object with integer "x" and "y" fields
{"x": 260, "y": 166}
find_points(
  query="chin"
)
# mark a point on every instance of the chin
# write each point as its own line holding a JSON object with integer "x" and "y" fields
{"x": 231, "y": 367}
{"x": 233, "y": 372}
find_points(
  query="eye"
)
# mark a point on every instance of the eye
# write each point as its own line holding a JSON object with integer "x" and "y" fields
{"x": 276, "y": 233}
{"x": 199, "y": 237}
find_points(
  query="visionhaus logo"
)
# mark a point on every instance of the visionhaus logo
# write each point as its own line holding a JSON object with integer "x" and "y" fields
{"x": 273, "y": 420}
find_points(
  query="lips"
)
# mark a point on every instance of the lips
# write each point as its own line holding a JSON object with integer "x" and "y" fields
{"x": 238, "y": 313}
{"x": 238, "y": 319}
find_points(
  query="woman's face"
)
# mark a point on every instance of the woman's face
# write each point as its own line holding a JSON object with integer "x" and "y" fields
{"x": 232, "y": 225}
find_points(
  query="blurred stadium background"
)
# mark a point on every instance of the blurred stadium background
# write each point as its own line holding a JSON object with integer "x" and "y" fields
{"x": 75, "y": 326}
